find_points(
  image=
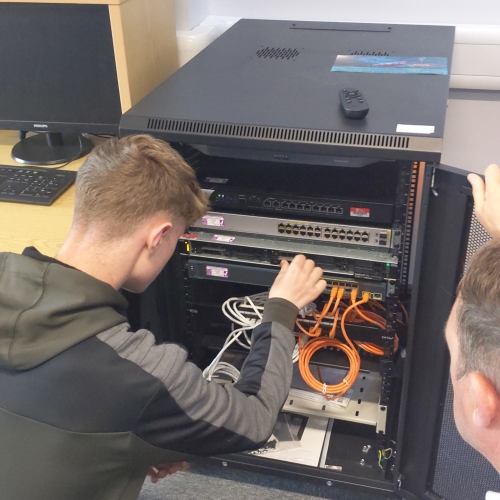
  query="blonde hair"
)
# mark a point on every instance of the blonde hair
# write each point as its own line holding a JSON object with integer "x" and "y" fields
{"x": 126, "y": 181}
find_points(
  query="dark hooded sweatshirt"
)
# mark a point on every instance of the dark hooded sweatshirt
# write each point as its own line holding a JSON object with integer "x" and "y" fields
{"x": 87, "y": 406}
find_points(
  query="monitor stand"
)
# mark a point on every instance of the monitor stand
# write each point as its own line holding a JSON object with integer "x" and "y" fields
{"x": 49, "y": 148}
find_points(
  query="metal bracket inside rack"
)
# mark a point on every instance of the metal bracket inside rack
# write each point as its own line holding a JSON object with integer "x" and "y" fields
{"x": 364, "y": 407}
{"x": 381, "y": 419}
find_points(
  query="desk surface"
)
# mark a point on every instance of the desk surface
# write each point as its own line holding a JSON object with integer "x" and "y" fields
{"x": 23, "y": 225}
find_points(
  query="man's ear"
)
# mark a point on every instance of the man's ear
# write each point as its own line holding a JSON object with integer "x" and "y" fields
{"x": 485, "y": 399}
{"x": 156, "y": 234}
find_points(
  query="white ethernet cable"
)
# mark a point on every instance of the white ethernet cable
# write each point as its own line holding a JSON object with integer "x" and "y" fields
{"x": 231, "y": 310}
{"x": 234, "y": 309}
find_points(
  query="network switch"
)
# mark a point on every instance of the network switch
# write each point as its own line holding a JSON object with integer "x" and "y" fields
{"x": 365, "y": 194}
{"x": 362, "y": 236}
{"x": 264, "y": 276}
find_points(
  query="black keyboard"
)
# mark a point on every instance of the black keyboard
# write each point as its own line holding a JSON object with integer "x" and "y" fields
{"x": 38, "y": 186}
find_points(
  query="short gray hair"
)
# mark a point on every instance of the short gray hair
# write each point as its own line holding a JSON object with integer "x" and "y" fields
{"x": 478, "y": 315}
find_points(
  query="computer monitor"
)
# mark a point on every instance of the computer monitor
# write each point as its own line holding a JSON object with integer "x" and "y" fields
{"x": 57, "y": 77}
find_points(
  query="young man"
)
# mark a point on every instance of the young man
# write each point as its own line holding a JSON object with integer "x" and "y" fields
{"x": 473, "y": 331}
{"x": 86, "y": 405}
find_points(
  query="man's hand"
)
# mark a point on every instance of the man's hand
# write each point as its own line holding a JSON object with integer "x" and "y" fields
{"x": 299, "y": 281}
{"x": 487, "y": 199}
{"x": 164, "y": 470}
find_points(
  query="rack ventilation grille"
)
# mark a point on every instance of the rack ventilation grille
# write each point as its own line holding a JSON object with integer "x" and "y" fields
{"x": 367, "y": 53}
{"x": 277, "y": 53}
{"x": 280, "y": 134}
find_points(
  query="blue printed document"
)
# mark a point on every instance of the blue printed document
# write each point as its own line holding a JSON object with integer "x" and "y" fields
{"x": 391, "y": 64}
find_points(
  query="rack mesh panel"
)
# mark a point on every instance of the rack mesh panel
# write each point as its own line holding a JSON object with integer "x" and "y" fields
{"x": 461, "y": 472}
{"x": 477, "y": 238}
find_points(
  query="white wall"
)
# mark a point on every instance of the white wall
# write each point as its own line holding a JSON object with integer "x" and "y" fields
{"x": 190, "y": 13}
{"x": 377, "y": 11}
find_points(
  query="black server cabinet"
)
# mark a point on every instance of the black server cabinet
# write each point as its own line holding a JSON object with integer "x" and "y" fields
{"x": 367, "y": 199}
{"x": 420, "y": 425}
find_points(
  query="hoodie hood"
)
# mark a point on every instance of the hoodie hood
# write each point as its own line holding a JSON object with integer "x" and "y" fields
{"x": 46, "y": 307}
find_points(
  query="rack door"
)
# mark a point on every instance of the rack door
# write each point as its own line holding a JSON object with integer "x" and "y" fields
{"x": 435, "y": 462}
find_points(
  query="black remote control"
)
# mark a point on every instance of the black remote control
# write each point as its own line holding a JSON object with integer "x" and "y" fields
{"x": 353, "y": 103}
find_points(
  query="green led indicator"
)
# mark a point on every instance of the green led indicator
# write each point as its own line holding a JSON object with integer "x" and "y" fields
{"x": 388, "y": 265}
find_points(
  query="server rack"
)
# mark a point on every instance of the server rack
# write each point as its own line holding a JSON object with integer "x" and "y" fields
{"x": 235, "y": 250}
{"x": 239, "y": 259}
{"x": 412, "y": 389}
